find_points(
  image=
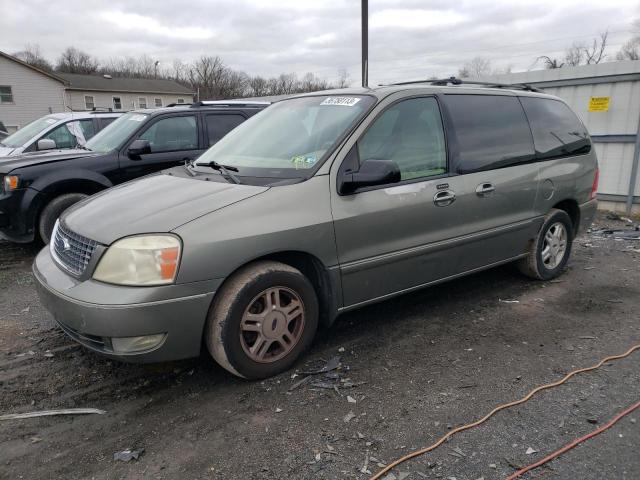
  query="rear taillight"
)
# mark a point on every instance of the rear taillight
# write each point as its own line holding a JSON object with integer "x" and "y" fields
{"x": 594, "y": 187}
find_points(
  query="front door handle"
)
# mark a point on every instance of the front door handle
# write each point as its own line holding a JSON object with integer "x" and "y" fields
{"x": 444, "y": 198}
{"x": 485, "y": 189}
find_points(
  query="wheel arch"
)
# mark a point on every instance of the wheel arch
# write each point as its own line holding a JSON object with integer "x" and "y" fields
{"x": 325, "y": 283}
{"x": 570, "y": 206}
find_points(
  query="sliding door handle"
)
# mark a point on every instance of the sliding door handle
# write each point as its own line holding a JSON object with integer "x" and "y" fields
{"x": 444, "y": 198}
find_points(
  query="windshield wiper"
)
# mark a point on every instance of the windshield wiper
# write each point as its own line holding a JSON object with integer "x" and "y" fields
{"x": 84, "y": 148}
{"x": 225, "y": 170}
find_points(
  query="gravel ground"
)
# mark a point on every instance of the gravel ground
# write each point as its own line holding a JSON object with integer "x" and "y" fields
{"x": 411, "y": 368}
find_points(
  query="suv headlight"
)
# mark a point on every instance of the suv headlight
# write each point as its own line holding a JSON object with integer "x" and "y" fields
{"x": 142, "y": 260}
{"x": 10, "y": 183}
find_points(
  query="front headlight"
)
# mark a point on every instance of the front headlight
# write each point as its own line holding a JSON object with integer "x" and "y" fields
{"x": 142, "y": 260}
{"x": 10, "y": 183}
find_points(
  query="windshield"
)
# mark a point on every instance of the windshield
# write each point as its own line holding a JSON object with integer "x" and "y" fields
{"x": 289, "y": 138}
{"x": 114, "y": 135}
{"x": 22, "y": 136}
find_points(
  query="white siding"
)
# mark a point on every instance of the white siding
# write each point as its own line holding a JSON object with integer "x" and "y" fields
{"x": 129, "y": 100}
{"x": 34, "y": 94}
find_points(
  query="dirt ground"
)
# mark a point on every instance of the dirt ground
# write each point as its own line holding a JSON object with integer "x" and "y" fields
{"x": 411, "y": 368}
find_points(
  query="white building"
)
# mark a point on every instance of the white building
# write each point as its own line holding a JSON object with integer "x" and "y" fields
{"x": 607, "y": 98}
{"x": 28, "y": 93}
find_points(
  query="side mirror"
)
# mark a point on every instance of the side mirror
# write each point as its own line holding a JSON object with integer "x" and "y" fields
{"x": 137, "y": 148}
{"x": 46, "y": 144}
{"x": 371, "y": 173}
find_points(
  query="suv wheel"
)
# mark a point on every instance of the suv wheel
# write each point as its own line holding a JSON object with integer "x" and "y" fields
{"x": 262, "y": 319}
{"x": 52, "y": 212}
{"x": 550, "y": 250}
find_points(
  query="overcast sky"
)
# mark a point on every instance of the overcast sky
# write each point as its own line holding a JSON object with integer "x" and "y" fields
{"x": 409, "y": 39}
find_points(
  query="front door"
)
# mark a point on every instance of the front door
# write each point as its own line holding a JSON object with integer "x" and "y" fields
{"x": 174, "y": 140}
{"x": 394, "y": 237}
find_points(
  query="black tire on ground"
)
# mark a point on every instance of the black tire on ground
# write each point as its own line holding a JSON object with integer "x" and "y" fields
{"x": 223, "y": 328}
{"x": 533, "y": 265}
{"x": 52, "y": 212}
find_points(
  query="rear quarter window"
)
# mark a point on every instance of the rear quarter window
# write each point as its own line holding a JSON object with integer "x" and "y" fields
{"x": 491, "y": 132}
{"x": 219, "y": 125}
{"x": 557, "y": 131}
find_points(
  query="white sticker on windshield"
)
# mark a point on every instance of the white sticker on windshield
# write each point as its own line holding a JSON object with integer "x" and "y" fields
{"x": 137, "y": 118}
{"x": 343, "y": 101}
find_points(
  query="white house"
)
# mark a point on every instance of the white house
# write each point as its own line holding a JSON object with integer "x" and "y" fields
{"x": 27, "y": 93}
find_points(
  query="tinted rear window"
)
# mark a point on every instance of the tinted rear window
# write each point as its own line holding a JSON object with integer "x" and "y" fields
{"x": 219, "y": 125}
{"x": 491, "y": 132}
{"x": 557, "y": 131}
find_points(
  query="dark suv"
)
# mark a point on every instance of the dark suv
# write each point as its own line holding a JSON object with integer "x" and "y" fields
{"x": 35, "y": 190}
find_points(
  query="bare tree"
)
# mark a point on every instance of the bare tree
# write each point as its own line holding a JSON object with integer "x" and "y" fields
{"x": 550, "y": 63}
{"x": 574, "y": 55}
{"x": 476, "y": 68}
{"x": 343, "y": 78}
{"x": 595, "y": 53}
{"x": 33, "y": 56}
{"x": 631, "y": 49}
{"x": 73, "y": 60}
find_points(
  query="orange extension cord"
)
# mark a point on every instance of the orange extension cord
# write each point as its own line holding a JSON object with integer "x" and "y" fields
{"x": 422, "y": 451}
{"x": 576, "y": 442}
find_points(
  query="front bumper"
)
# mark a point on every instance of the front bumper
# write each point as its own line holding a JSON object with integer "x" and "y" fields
{"x": 17, "y": 215}
{"x": 587, "y": 214}
{"x": 92, "y": 314}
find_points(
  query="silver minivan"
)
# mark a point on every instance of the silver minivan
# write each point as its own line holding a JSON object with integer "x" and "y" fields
{"x": 317, "y": 205}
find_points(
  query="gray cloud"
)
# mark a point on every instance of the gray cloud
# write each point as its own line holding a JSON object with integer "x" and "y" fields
{"x": 408, "y": 39}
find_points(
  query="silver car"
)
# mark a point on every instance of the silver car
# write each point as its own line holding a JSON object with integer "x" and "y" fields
{"x": 56, "y": 131}
{"x": 320, "y": 204}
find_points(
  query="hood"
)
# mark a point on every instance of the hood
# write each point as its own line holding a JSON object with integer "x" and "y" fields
{"x": 158, "y": 203}
{"x": 8, "y": 164}
{"x": 6, "y": 151}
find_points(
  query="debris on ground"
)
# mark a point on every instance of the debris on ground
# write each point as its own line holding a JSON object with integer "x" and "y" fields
{"x": 508, "y": 301}
{"x": 618, "y": 233}
{"x": 331, "y": 364}
{"x": 530, "y": 451}
{"x": 349, "y": 416}
{"x": 128, "y": 455}
{"x": 365, "y": 466}
{"x": 49, "y": 413}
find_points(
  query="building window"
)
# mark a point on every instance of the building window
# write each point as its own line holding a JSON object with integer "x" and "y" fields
{"x": 117, "y": 103}
{"x": 6, "y": 95}
{"x": 89, "y": 102}
{"x": 181, "y": 100}
{"x": 158, "y": 102}
{"x": 142, "y": 102}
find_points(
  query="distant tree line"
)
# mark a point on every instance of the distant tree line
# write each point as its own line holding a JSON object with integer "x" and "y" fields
{"x": 208, "y": 75}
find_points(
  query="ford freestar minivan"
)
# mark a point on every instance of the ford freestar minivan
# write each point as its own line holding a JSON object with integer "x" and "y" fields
{"x": 317, "y": 205}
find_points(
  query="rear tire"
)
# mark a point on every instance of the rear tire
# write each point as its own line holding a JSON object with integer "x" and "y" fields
{"x": 262, "y": 319}
{"x": 549, "y": 252}
{"x": 52, "y": 212}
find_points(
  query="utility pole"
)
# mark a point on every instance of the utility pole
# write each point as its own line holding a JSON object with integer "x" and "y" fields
{"x": 365, "y": 43}
{"x": 155, "y": 65}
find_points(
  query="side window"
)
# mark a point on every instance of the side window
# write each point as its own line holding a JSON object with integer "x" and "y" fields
{"x": 142, "y": 102}
{"x": 106, "y": 121}
{"x": 89, "y": 102}
{"x": 117, "y": 103}
{"x": 62, "y": 136}
{"x": 411, "y": 134}
{"x": 173, "y": 133}
{"x": 88, "y": 130}
{"x": 219, "y": 125}
{"x": 491, "y": 130}
{"x": 557, "y": 131}
{"x": 158, "y": 102}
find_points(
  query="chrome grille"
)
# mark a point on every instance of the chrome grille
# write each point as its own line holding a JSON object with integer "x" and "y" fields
{"x": 71, "y": 251}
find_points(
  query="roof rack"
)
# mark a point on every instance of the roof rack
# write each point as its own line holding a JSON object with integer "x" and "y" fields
{"x": 177, "y": 104}
{"x": 230, "y": 103}
{"x": 461, "y": 81}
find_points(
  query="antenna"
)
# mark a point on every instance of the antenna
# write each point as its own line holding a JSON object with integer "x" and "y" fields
{"x": 365, "y": 43}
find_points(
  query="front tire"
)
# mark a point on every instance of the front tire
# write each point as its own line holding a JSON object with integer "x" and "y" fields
{"x": 550, "y": 250}
{"x": 52, "y": 212}
{"x": 263, "y": 318}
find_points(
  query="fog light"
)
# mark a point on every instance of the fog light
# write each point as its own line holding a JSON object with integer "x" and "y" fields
{"x": 136, "y": 344}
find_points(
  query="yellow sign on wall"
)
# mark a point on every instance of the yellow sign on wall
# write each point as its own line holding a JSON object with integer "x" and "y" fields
{"x": 599, "y": 104}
